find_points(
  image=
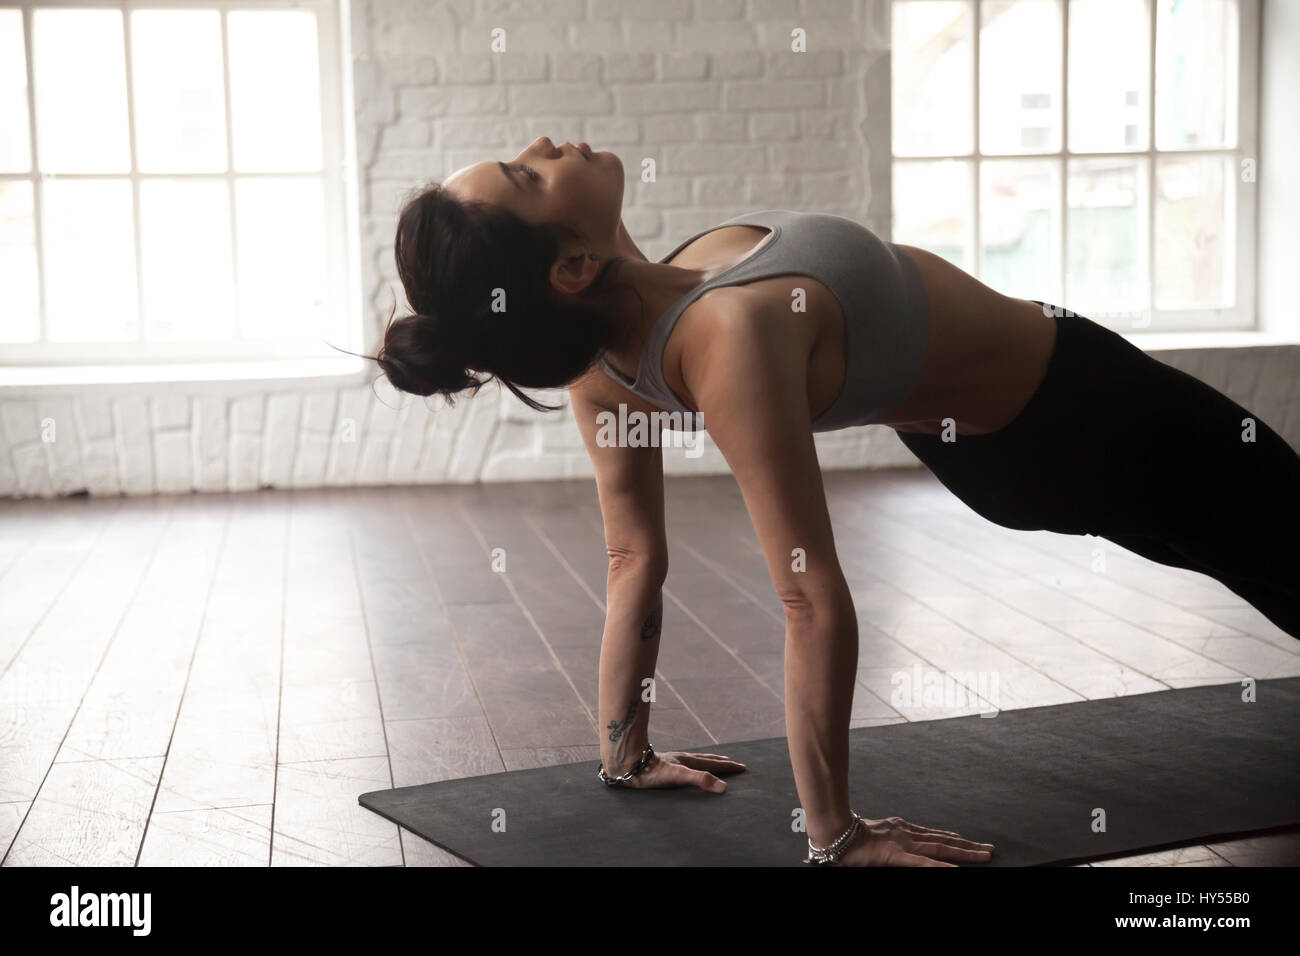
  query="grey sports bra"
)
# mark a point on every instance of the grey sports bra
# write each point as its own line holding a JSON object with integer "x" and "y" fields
{"x": 878, "y": 288}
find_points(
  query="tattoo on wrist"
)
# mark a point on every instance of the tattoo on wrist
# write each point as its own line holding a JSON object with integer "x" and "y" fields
{"x": 617, "y": 729}
{"x": 650, "y": 629}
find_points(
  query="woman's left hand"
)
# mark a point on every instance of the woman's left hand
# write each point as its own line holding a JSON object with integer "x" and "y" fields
{"x": 894, "y": 841}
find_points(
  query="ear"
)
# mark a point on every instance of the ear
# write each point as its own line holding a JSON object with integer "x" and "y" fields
{"x": 574, "y": 270}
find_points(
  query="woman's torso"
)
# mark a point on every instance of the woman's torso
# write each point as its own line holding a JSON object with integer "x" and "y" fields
{"x": 982, "y": 358}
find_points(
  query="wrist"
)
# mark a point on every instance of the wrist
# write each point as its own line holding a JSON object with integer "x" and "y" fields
{"x": 623, "y": 757}
{"x": 621, "y": 779}
{"x": 834, "y": 852}
{"x": 826, "y": 829}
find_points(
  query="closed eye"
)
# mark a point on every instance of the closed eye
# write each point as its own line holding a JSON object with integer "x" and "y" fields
{"x": 532, "y": 173}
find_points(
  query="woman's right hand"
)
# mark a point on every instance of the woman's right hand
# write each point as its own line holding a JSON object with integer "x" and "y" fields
{"x": 895, "y": 842}
{"x": 685, "y": 770}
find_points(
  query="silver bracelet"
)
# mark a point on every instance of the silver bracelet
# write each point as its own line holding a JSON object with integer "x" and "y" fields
{"x": 618, "y": 781}
{"x": 831, "y": 854}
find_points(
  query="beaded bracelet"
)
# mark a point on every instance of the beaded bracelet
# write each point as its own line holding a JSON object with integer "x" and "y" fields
{"x": 831, "y": 854}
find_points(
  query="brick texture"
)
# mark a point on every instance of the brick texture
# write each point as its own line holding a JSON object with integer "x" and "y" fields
{"x": 710, "y": 89}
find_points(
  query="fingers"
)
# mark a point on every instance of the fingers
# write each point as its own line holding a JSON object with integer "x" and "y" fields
{"x": 705, "y": 780}
{"x": 947, "y": 837}
{"x": 711, "y": 762}
{"x": 954, "y": 841}
{"x": 911, "y": 859}
{"x": 673, "y": 773}
{"x": 897, "y": 856}
{"x": 679, "y": 753}
{"x": 917, "y": 828}
{"x": 946, "y": 851}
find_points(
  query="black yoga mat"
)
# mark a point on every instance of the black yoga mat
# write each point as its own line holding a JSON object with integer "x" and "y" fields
{"x": 1160, "y": 769}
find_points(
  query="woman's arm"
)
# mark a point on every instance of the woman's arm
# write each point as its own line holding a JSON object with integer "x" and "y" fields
{"x": 749, "y": 382}
{"x": 629, "y": 482}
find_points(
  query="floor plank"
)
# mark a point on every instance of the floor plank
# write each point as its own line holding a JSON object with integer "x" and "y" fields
{"x": 130, "y": 707}
{"x": 211, "y": 680}
{"x": 42, "y": 689}
{"x": 42, "y": 560}
{"x": 223, "y": 749}
{"x": 229, "y": 836}
{"x": 318, "y": 821}
{"x": 88, "y": 813}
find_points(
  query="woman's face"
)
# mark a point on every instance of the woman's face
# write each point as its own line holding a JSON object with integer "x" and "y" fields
{"x": 545, "y": 183}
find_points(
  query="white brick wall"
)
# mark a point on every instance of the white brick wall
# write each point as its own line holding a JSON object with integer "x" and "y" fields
{"x": 708, "y": 88}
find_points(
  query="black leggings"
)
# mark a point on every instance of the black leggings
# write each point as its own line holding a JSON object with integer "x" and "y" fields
{"x": 1120, "y": 445}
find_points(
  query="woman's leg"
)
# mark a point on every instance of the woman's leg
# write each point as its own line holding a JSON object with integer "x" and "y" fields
{"x": 1276, "y": 604}
{"x": 1212, "y": 483}
{"x": 1118, "y": 444}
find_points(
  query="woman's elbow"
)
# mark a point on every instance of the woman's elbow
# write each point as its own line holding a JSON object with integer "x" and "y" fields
{"x": 644, "y": 563}
{"x": 808, "y": 604}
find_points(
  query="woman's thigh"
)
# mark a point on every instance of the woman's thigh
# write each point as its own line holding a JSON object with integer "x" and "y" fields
{"x": 1200, "y": 472}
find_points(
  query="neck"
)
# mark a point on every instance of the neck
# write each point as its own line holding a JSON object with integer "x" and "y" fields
{"x": 647, "y": 290}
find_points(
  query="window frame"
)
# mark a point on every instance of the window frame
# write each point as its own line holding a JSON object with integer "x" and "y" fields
{"x": 337, "y": 177}
{"x": 1243, "y": 314}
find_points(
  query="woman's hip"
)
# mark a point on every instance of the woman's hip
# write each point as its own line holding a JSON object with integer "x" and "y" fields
{"x": 1097, "y": 445}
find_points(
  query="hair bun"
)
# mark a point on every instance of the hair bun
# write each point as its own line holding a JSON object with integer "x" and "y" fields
{"x": 428, "y": 354}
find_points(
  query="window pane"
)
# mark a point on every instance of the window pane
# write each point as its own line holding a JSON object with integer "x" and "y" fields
{"x": 80, "y": 79}
{"x": 19, "y": 306}
{"x": 1110, "y": 53}
{"x": 15, "y": 143}
{"x": 185, "y": 247}
{"x": 1106, "y": 239}
{"x": 1196, "y": 74}
{"x": 1020, "y": 227}
{"x": 933, "y": 209}
{"x": 932, "y": 66}
{"x": 1020, "y": 76}
{"x": 275, "y": 91}
{"x": 180, "y": 103}
{"x": 282, "y": 283}
{"x": 1195, "y": 233}
{"x": 89, "y": 246}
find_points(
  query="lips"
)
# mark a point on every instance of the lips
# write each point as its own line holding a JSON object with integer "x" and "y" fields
{"x": 584, "y": 149}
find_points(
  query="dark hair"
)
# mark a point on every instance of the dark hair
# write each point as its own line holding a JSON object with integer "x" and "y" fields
{"x": 452, "y": 258}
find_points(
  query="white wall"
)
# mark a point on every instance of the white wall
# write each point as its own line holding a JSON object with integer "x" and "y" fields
{"x": 709, "y": 88}
{"x": 1279, "y": 167}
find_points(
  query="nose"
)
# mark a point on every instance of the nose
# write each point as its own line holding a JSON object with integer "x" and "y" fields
{"x": 548, "y": 147}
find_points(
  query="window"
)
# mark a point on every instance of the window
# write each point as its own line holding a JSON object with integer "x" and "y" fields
{"x": 1029, "y": 150}
{"x": 174, "y": 183}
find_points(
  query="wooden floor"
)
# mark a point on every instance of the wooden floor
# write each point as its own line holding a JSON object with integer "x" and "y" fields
{"x": 213, "y": 679}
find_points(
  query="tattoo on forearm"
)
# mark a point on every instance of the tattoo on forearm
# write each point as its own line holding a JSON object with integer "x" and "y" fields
{"x": 653, "y": 623}
{"x": 617, "y": 729}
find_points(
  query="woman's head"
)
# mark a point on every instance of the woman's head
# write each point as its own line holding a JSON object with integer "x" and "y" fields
{"x": 507, "y": 268}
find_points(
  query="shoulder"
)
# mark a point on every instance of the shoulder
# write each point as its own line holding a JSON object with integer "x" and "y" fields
{"x": 731, "y": 333}
{"x": 595, "y": 391}
{"x": 746, "y": 372}
{"x": 724, "y": 309}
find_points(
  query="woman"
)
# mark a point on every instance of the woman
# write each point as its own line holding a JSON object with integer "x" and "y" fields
{"x": 776, "y": 325}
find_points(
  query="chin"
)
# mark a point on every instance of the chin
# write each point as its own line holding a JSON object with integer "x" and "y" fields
{"x": 618, "y": 172}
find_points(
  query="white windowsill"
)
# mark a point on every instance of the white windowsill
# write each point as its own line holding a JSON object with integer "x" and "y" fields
{"x": 288, "y": 373}
{"x": 261, "y": 374}
{"x": 1238, "y": 338}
